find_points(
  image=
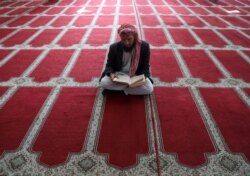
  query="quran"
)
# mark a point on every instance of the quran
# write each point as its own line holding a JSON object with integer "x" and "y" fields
{"x": 133, "y": 81}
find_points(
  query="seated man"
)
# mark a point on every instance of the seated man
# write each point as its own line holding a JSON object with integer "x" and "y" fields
{"x": 130, "y": 56}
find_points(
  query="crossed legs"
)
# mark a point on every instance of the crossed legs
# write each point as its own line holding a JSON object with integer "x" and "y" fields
{"x": 145, "y": 89}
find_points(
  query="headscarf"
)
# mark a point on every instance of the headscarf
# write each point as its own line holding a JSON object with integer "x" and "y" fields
{"x": 130, "y": 29}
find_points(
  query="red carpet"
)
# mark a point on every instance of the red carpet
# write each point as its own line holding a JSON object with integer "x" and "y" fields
{"x": 122, "y": 127}
{"x": 86, "y": 58}
{"x": 233, "y": 124}
{"x": 16, "y": 120}
{"x": 54, "y": 119}
{"x": 167, "y": 70}
{"x": 155, "y": 36}
{"x": 66, "y": 126}
{"x": 234, "y": 63}
{"x": 182, "y": 37}
{"x": 13, "y": 68}
{"x": 208, "y": 37}
{"x": 99, "y": 37}
{"x": 4, "y": 53}
{"x": 19, "y": 38}
{"x": 3, "y": 90}
{"x": 71, "y": 37}
{"x": 52, "y": 65}
{"x": 182, "y": 125}
{"x": 201, "y": 66}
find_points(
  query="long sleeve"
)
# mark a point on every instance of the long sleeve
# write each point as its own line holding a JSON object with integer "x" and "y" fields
{"x": 144, "y": 64}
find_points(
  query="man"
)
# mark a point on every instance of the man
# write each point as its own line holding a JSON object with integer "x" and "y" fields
{"x": 131, "y": 56}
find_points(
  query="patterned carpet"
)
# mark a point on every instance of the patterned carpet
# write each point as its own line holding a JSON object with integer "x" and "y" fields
{"x": 54, "y": 119}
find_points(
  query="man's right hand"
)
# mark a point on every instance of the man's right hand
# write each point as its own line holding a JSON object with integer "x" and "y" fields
{"x": 112, "y": 76}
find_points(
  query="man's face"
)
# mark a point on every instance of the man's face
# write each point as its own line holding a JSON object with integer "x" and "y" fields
{"x": 127, "y": 40}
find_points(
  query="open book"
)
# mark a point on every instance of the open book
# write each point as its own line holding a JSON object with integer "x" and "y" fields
{"x": 133, "y": 81}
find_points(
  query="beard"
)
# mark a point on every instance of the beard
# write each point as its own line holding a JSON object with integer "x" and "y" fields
{"x": 128, "y": 49}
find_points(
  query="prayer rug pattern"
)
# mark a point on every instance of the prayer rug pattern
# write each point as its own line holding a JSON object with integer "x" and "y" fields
{"x": 54, "y": 119}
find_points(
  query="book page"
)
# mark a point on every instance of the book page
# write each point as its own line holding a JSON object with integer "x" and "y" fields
{"x": 137, "y": 80}
{"x": 122, "y": 78}
{"x": 133, "y": 81}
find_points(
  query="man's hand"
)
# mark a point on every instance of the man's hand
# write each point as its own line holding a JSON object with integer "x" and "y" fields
{"x": 112, "y": 76}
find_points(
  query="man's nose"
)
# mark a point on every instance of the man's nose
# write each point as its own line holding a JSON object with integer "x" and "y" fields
{"x": 127, "y": 42}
